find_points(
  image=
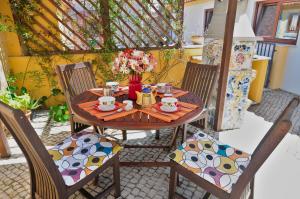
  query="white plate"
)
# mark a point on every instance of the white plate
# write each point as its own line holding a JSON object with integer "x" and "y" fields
{"x": 168, "y": 109}
{"x": 106, "y": 108}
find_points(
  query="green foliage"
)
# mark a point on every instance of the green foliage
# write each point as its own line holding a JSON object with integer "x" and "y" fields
{"x": 168, "y": 59}
{"x": 103, "y": 67}
{"x": 5, "y": 22}
{"x": 60, "y": 113}
{"x": 23, "y": 102}
{"x": 26, "y": 10}
{"x": 55, "y": 91}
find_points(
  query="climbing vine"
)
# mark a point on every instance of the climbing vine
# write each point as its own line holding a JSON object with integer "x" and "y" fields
{"x": 34, "y": 41}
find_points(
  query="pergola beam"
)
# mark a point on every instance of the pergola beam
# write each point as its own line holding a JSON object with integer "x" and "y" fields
{"x": 224, "y": 70}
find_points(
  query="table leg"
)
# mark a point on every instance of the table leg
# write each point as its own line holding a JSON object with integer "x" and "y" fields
{"x": 157, "y": 134}
{"x": 169, "y": 146}
{"x": 124, "y": 134}
{"x": 154, "y": 163}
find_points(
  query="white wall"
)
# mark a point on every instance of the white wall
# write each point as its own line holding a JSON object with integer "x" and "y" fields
{"x": 251, "y": 9}
{"x": 194, "y": 19}
{"x": 291, "y": 81}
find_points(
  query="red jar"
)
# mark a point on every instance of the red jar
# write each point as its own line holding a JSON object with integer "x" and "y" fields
{"x": 135, "y": 84}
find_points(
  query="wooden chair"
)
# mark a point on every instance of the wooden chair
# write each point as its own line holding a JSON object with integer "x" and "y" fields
{"x": 75, "y": 79}
{"x": 236, "y": 168}
{"x": 200, "y": 79}
{"x": 50, "y": 179}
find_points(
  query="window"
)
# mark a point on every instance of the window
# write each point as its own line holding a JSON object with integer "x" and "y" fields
{"x": 207, "y": 19}
{"x": 278, "y": 20}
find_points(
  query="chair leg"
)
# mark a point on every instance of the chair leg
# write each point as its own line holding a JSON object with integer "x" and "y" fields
{"x": 177, "y": 181}
{"x": 96, "y": 180}
{"x": 206, "y": 122}
{"x": 116, "y": 170}
{"x": 96, "y": 129}
{"x": 72, "y": 123}
{"x": 172, "y": 183}
{"x": 124, "y": 134}
{"x": 206, "y": 195}
{"x": 184, "y": 133}
{"x": 99, "y": 129}
{"x": 252, "y": 189}
{"x": 157, "y": 134}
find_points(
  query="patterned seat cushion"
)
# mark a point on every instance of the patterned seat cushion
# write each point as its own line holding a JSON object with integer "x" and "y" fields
{"x": 82, "y": 153}
{"x": 218, "y": 163}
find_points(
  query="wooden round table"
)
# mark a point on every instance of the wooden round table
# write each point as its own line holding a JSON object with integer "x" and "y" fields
{"x": 139, "y": 121}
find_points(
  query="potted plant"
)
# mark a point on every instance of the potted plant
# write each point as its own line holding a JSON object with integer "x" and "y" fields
{"x": 23, "y": 102}
{"x": 27, "y": 104}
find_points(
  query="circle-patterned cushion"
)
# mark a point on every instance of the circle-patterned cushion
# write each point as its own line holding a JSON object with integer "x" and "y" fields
{"x": 82, "y": 153}
{"x": 218, "y": 163}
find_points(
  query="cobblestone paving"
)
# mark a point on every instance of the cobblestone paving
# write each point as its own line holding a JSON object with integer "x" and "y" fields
{"x": 135, "y": 182}
{"x": 273, "y": 103}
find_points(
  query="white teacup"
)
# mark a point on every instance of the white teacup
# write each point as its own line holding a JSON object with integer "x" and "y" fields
{"x": 107, "y": 103}
{"x": 161, "y": 87}
{"x": 169, "y": 104}
{"x": 113, "y": 85}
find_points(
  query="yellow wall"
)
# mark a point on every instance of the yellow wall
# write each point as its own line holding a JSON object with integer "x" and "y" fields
{"x": 10, "y": 40}
{"x": 20, "y": 63}
{"x": 278, "y": 68}
{"x": 257, "y": 85}
{"x": 196, "y": 2}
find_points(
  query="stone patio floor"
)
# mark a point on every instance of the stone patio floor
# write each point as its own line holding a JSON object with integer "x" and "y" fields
{"x": 135, "y": 182}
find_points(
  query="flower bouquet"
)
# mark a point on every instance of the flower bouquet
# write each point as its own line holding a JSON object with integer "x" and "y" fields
{"x": 134, "y": 63}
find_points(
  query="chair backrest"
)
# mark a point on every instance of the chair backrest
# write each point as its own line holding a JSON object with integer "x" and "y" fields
{"x": 76, "y": 78}
{"x": 45, "y": 177}
{"x": 200, "y": 80}
{"x": 267, "y": 145}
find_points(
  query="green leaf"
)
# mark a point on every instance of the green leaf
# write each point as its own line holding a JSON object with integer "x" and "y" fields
{"x": 43, "y": 99}
{"x": 12, "y": 89}
{"x": 59, "y": 113}
{"x": 55, "y": 91}
{"x": 66, "y": 117}
{"x": 62, "y": 107}
{"x": 57, "y": 118}
{"x": 23, "y": 90}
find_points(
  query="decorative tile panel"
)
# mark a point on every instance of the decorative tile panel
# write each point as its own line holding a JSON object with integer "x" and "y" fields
{"x": 242, "y": 55}
{"x": 236, "y": 100}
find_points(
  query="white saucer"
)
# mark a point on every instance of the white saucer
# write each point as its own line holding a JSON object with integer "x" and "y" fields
{"x": 106, "y": 108}
{"x": 168, "y": 95}
{"x": 168, "y": 109}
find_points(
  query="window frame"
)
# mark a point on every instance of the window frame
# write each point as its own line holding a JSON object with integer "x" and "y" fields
{"x": 206, "y": 11}
{"x": 279, "y": 4}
